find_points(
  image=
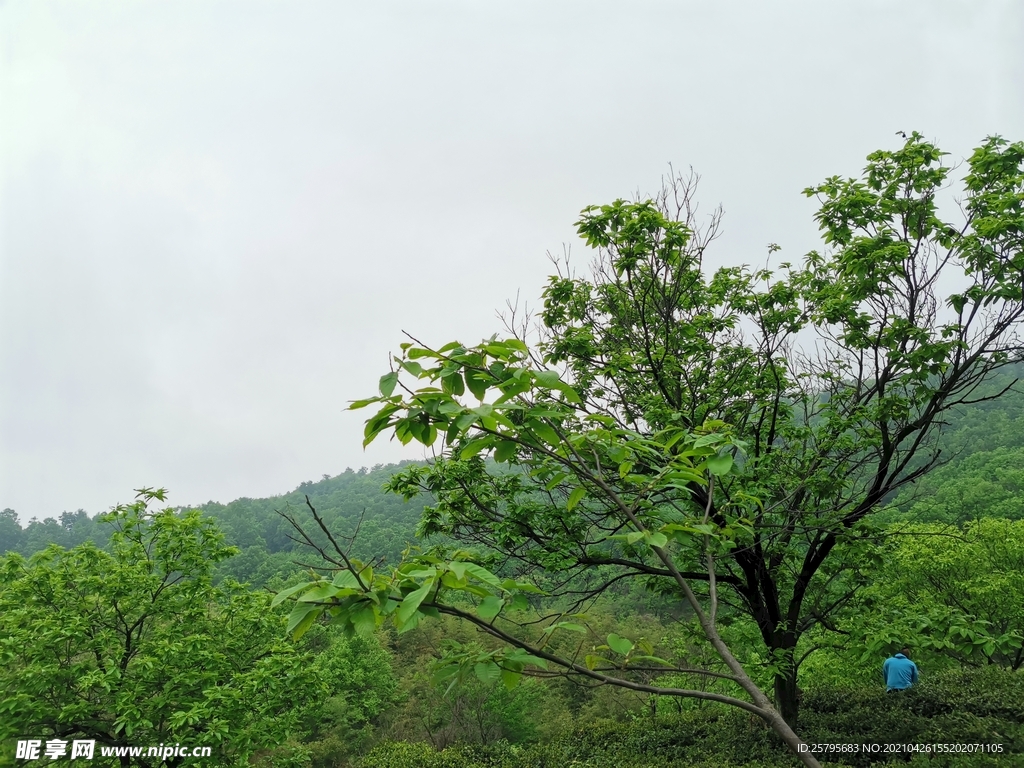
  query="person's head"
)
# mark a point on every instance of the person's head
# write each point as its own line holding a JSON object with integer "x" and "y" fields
{"x": 905, "y": 652}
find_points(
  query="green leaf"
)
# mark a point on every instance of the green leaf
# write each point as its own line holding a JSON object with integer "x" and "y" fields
{"x": 284, "y": 594}
{"x": 301, "y": 619}
{"x": 548, "y": 379}
{"x": 477, "y": 382}
{"x": 418, "y": 352}
{"x": 720, "y": 465}
{"x": 483, "y": 575}
{"x": 544, "y": 432}
{"x": 319, "y": 594}
{"x": 571, "y": 394}
{"x": 487, "y": 671}
{"x": 473, "y": 447}
{"x": 619, "y": 644}
{"x": 459, "y": 569}
{"x": 518, "y": 603}
{"x": 575, "y": 497}
{"x": 657, "y": 539}
{"x": 519, "y": 656}
{"x": 490, "y": 607}
{"x": 453, "y": 384}
{"x": 506, "y": 450}
{"x": 355, "y": 405}
{"x": 364, "y": 619}
{"x": 650, "y": 660}
{"x": 345, "y": 580}
{"x": 414, "y": 368}
{"x": 411, "y": 602}
{"x": 510, "y": 678}
{"x": 388, "y": 382}
{"x": 444, "y": 672}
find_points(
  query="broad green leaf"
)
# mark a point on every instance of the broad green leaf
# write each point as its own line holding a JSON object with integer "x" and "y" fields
{"x": 651, "y": 660}
{"x": 720, "y": 465}
{"x": 301, "y": 618}
{"x": 284, "y": 594}
{"x": 510, "y": 678}
{"x": 477, "y": 382}
{"x": 355, "y": 405}
{"x": 547, "y": 378}
{"x": 474, "y": 447}
{"x": 411, "y": 602}
{"x": 619, "y": 644}
{"x": 319, "y": 594}
{"x": 490, "y": 607}
{"x": 518, "y": 603}
{"x": 544, "y": 432}
{"x": 519, "y": 656}
{"x": 506, "y": 450}
{"x": 444, "y": 672}
{"x": 459, "y": 569}
{"x": 575, "y": 497}
{"x": 487, "y": 671}
{"x": 364, "y": 620}
{"x": 483, "y": 575}
{"x": 568, "y": 625}
{"x": 388, "y": 382}
{"x": 412, "y": 367}
{"x": 345, "y": 580}
{"x": 657, "y": 539}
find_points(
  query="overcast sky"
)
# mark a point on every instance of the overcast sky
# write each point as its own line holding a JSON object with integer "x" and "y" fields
{"x": 216, "y": 218}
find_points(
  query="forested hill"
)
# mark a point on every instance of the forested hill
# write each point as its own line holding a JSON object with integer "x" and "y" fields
{"x": 983, "y": 476}
{"x": 386, "y": 524}
{"x": 354, "y": 499}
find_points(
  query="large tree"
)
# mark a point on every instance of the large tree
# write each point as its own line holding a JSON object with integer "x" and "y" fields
{"x": 723, "y": 436}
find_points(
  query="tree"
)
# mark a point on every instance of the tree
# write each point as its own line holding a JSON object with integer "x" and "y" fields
{"x": 360, "y": 687}
{"x": 137, "y": 647}
{"x": 952, "y": 592}
{"x": 726, "y": 437}
{"x": 10, "y": 530}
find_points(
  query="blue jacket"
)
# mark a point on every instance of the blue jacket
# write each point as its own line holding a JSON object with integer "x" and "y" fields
{"x": 899, "y": 673}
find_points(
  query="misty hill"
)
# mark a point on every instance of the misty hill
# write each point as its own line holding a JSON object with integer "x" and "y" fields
{"x": 386, "y": 524}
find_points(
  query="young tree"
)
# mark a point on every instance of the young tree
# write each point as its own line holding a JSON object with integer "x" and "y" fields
{"x": 725, "y": 437}
{"x": 137, "y": 647}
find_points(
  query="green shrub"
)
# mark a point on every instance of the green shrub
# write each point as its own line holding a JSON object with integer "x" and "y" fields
{"x": 984, "y": 706}
{"x": 980, "y": 706}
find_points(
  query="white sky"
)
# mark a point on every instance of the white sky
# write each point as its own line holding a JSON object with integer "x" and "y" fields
{"x": 216, "y": 218}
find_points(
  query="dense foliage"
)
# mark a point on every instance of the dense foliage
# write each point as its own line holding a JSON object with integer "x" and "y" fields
{"x": 136, "y": 645}
{"x": 951, "y": 708}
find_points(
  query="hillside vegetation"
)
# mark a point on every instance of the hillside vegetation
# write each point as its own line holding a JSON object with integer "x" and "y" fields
{"x": 379, "y": 698}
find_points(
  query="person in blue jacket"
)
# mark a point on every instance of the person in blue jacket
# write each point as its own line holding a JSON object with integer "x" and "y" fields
{"x": 899, "y": 672}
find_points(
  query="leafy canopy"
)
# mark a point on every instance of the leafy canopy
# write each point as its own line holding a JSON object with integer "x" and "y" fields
{"x": 137, "y": 646}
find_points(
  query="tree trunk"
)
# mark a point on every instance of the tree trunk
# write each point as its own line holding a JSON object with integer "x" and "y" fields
{"x": 787, "y": 695}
